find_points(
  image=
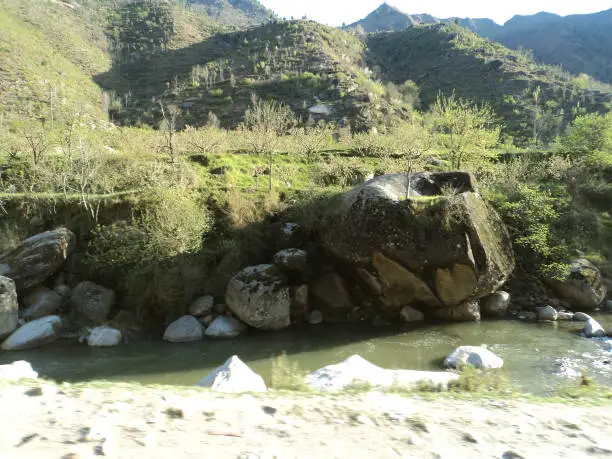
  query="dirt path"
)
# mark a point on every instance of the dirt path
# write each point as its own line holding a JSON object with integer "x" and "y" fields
{"x": 139, "y": 422}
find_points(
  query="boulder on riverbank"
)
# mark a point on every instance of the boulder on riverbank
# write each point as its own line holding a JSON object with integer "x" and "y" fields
{"x": 104, "y": 337}
{"x": 9, "y": 307}
{"x": 234, "y": 376}
{"x": 37, "y": 258}
{"x": 225, "y": 327}
{"x": 593, "y": 329}
{"x": 17, "y": 371}
{"x": 582, "y": 287}
{"x": 474, "y": 356}
{"x": 429, "y": 246}
{"x": 91, "y": 303}
{"x": 37, "y": 333}
{"x": 260, "y": 297}
{"x": 41, "y": 302}
{"x": 356, "y": 370}
{"x": 202, "y": 307}
{"x": 495, "y": 305}
{"x": 184, "y": 330}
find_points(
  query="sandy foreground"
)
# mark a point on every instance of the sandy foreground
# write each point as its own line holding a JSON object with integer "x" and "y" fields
{"x": 41, "y": 420}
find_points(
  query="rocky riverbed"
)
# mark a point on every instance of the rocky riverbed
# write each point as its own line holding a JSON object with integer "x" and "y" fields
{"x": 125, "y": 421}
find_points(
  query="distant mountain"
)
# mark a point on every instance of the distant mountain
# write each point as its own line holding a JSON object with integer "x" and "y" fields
{"x": 579, "y": 43}
{"x": 387, "y": 18}
{"x": 235, "y": 12}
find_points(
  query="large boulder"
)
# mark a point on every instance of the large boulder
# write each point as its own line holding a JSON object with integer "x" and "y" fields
{"x": 292, "y": 260}
{"x": 474, "y": 356}
{"x": 234, "y": 376}
{"x": 184, "y": 330}
{"x": 356, "y": 370}
{"x": 91, "y": 303}
{"x": 34, "y": 334}
{"x": 16, "y": 371}
{"x": 331, "y": 291}
{"x": 260, "y": 297}
{"x": 495, "y": 305}
{"x": 37, "y": 258}
{"x": 593, "y": 329}
{"x": 582, "y": 287}
{"x": 202, "y": 307}
{"x": 104, "y": 337}
{"x": 41, "y": 302}
{"x": 225, "y": 327}
{"x": 9, "y": 308}
{"x": 430, "y": 236}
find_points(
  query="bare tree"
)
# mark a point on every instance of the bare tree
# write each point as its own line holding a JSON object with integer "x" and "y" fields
{"x": 170, "y": 114}
{"x": 264, "y": 123}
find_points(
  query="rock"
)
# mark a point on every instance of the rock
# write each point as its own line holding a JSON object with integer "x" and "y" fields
{"x": 331, "y": 291}
{"x": 41, "y": 302}
{"x": 34, "y": 334}
{"x": 582, "y": 317}
{"x": 299, "y": 302}
{"x": 495, "y": 305}
{"x": 17, "y": 370}
{"x": 583, "y": 286}
{"x": 475, "y": 356}
{"x": 564, "y": 315}
{"x": 409, "y": 314}
{"x": 414, "y": 249}
{"x": 547, "y": 313}
{"x": 259, "y": 296}
{"x": 286, "y": 236}
{"x": 206, "y": 321}
{"x": 63, "y": 291}
{"x": 234, "y": 376}
{"x": 466, "y": 312}
{"x": 527, "y": 315}
{"x": 400, "y": 286}
{"x": 607, "y": 306}
{"x": 225, "y": 327}
{"x": 356, "y": 370}
{"x": 9, "y": 307}
{"x": 370, "y": 280}
{"x": 315, "y": 317}
{"x": 202, "y": 307}
{"x": 292, "y": 260}
{"x": 37, "y": 258}
{"x": 92, "y": 303}
{"x": 104, "y": 337}
{"x": 184, "y": 330}
{"x": 593, "y": 329}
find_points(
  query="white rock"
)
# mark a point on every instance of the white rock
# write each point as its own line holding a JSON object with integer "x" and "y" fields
{"x": 409, "y": 314}
{"x": 17, "y": 370}
{"x": 225, "y": 327}
{"x": 104, "y": 337}
{"x": 357, "y": 370}
{"x": 202, "y": 306}
{"x": 184, "y": 330}
{"x": 234, "y": 376}
{"x": 547, "y": 313}
{"x": 33, "y": 334}
{"x": 593, "y": 329}
{"x": 475, "y": 356}
{"x": 582, "y": 317}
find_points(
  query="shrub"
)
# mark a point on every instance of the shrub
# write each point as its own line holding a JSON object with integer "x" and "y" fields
{"x": 287, "y": 375}
{"x": 216, "y": 92}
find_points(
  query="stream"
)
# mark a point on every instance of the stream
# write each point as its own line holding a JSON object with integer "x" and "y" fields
{"x": 539, "y": 357}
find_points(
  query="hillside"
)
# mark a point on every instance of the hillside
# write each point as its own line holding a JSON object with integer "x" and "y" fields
{"x": 448, "y": 58}
{"x": 315, "y": 69}
{"x": 235, "y": 12}
{"x": 579, "y": 43}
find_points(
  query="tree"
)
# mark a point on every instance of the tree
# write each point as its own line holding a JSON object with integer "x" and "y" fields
{"x": 264, "y": 122}
{"x": 311, "y": 140}
{"x": 170, "y": 114}
{"x": 411, "y": 141}
{"x": 588, "y": 134}
{"x": 466, "y": 131}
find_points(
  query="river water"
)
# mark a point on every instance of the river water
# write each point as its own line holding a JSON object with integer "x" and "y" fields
{"x": 539, "y": 357}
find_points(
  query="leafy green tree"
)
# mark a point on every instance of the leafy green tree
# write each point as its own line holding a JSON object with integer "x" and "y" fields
{"x": 264, "y": 122}
{"x": 588, "y": 134}
{"x": 467, "y": 132}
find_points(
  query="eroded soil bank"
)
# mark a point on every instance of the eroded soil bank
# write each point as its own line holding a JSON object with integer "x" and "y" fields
{"x": 41, "y": 420}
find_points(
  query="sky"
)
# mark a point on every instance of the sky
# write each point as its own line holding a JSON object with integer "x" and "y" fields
{"x": 337, "y": 12}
